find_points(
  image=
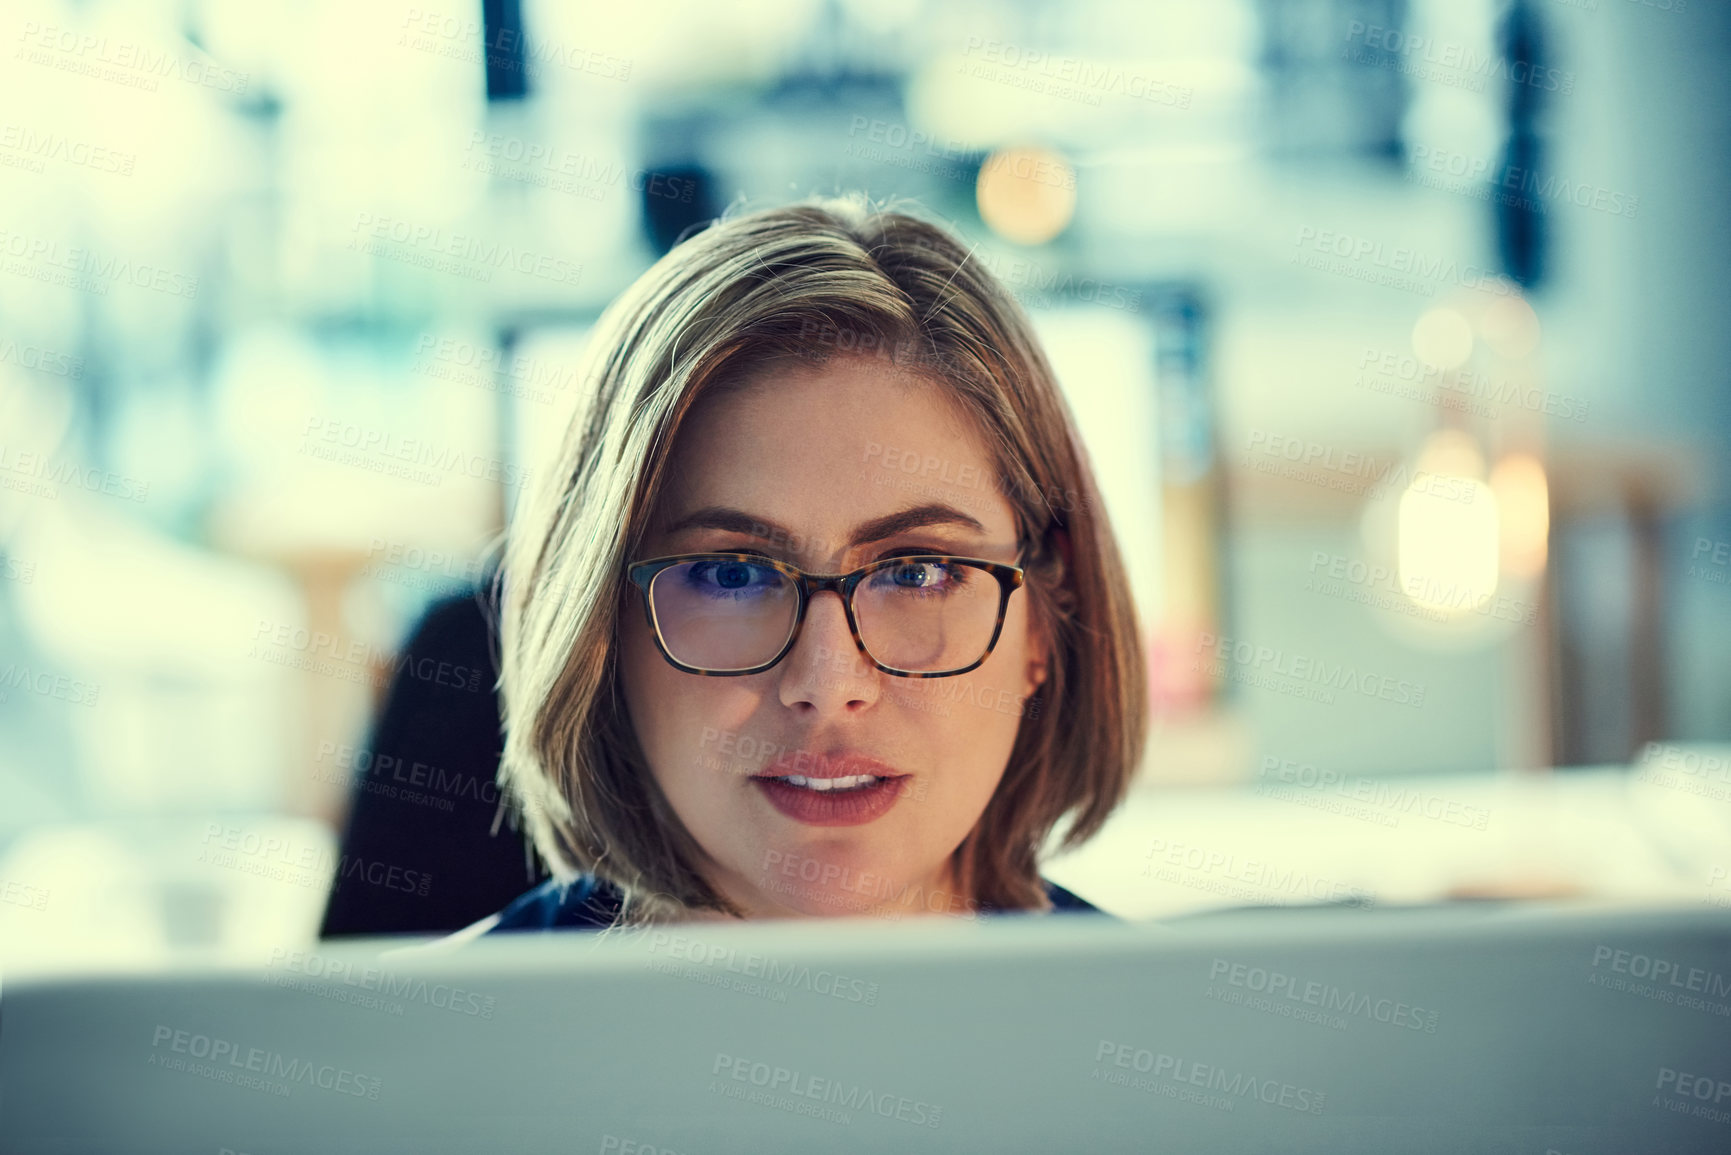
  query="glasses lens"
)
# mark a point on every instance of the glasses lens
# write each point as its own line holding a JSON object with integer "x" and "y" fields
{"x": 927, "y": 616}
{"x": 723, "y": 615}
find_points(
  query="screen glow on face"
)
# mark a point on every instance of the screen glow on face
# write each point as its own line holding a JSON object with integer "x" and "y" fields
{"x": 915, "y": 614}
{"x": 782, "y": 469}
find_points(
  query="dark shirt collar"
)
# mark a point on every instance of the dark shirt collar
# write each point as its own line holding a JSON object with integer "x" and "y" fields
{"x": 589, "y": 903}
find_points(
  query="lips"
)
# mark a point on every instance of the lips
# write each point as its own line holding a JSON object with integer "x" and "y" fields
{"x": 839, "y": 789}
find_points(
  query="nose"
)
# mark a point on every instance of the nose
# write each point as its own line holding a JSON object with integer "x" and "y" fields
{"x": 825, "y": 672}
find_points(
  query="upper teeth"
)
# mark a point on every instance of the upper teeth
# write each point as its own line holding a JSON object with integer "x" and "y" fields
{"x": 851, "y": 782}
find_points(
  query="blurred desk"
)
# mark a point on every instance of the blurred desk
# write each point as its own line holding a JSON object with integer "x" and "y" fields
{"x": 1603, "y": 835}
{"x": 135, "y": 894}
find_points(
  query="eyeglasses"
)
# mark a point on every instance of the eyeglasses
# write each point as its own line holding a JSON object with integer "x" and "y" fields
{"x": 914, "y": 616}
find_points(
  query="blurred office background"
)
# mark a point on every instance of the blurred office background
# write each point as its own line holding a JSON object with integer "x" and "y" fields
{"x": 1394, "y": 328}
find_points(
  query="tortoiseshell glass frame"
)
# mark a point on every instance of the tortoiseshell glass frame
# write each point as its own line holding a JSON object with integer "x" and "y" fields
{"x": 642, "y": 575}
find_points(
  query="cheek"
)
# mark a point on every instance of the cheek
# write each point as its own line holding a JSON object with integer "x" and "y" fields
{"x": 678, "y": 718}
{"x": 969, "y": 723}
{"x": 657, "y": 701}
{"x": 641, "y": 672}
{"x": 1004, "y": 681}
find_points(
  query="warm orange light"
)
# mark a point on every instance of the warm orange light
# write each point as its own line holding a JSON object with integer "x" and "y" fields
{"x": 1524, "y": 500}
{"x": 1026, "y": 195}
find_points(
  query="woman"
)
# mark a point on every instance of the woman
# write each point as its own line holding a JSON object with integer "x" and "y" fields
{"x": 816, "y": 611}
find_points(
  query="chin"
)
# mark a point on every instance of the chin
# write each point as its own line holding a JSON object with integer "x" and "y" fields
{"x": 838, "y": 875}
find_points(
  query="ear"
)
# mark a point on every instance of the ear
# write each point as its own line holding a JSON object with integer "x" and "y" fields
{"x": 1040, "y": 639}
{"x": 1036, "y": 676}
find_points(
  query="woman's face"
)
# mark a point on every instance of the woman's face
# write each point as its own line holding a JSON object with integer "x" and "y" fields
{"x": 831, "y": 467}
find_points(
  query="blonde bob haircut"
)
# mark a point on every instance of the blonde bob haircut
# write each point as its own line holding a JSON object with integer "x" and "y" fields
{"x": 813, "y": 281}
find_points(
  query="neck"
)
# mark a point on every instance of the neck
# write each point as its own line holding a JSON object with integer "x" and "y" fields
{"x": 853, "y": 895}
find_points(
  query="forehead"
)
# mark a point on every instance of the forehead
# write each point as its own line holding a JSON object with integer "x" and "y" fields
{"x": 823, "y": 447}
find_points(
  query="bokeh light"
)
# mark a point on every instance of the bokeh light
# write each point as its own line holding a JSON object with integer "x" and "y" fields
{"x": 1524, "y": 500}
{"x": 1443, "y": 337}
{"x": 1027, "y": 195}
{"x": 1448, "y": 544}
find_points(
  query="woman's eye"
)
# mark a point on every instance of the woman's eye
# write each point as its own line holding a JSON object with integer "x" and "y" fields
{"x": 730, "y": 576}
{"x": 920, "y": 575}
{"x": 915, "y": 575}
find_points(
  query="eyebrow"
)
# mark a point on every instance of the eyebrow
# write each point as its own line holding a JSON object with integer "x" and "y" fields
{"x": 877, "y": 529}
